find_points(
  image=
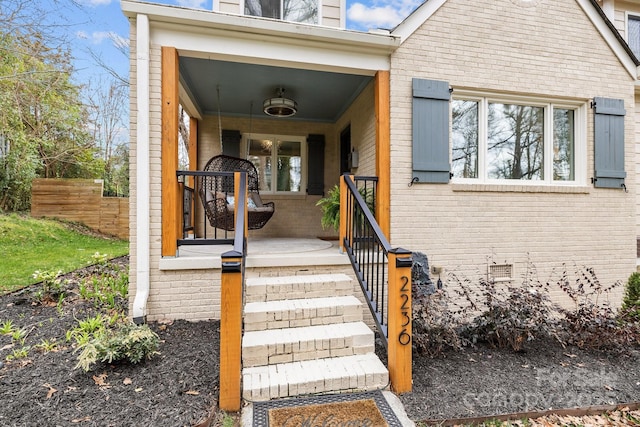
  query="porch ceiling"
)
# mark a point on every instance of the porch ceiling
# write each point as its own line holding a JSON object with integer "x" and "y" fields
{"x": 321, "y": 96}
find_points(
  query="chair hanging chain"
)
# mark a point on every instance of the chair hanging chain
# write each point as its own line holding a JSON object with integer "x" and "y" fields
{"x": 250, "y": 130}
{"x": 219, "y": 121}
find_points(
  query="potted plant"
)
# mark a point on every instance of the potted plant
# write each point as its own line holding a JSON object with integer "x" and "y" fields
{"x": 330, "y": 206}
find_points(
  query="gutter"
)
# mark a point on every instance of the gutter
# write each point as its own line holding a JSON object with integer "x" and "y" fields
{"x": 142, "y": 170}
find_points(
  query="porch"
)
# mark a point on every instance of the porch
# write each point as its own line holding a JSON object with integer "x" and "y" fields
{"x": 262, "y": 252}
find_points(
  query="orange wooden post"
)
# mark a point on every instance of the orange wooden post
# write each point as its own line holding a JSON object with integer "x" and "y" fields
{"x": 230, "y": 333}
{"x": 344, "y": 215}
{"x": 383, "y": 152}
{"x": 171, "y": 200}
{"x": 400, "y": 336}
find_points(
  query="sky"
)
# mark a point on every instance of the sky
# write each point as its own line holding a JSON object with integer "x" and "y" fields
{"x": 99, "y": 26}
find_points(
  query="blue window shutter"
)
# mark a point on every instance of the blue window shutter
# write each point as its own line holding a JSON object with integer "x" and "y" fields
{"x": 315, "y": 165}
{"x": 431, "y": 131}
{"x": 609, "y": 142}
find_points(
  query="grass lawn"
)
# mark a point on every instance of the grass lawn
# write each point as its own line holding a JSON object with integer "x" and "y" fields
{"x": 28, "y": 244}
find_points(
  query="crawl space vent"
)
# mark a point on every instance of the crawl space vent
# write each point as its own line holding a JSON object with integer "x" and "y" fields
{"x": 500, "y": 272}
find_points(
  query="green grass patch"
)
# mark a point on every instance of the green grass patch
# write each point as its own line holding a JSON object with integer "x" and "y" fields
{"x": 28, "y": 244}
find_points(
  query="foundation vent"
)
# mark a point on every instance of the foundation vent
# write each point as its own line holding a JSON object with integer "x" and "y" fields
{"x": 500, "y": 272}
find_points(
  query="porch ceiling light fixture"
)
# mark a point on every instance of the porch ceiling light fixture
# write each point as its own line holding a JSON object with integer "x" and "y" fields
{"x": 280, "y": 106}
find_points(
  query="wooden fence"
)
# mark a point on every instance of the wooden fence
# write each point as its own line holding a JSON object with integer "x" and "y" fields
{"x": 81, "y": 200}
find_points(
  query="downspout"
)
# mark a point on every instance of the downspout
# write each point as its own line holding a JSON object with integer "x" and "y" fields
{"x": 142, "y": 169}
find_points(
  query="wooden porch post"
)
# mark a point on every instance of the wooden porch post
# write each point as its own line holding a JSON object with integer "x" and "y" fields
{"x": 400, "y": 336}
{"x": 231, "y": 317}
{"x": 383, "y": 151}
{"x": 171, "y": 200}
{"x": 230, "y": 333}
{"x": 343, "y": 210}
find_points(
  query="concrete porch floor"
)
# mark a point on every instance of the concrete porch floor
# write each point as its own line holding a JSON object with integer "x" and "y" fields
{"x": 261, "y": 252}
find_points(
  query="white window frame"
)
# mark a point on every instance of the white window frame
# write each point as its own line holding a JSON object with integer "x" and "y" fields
{"x": 580, "y": 137}
{"x": 627, "y": 17}
{"x": 303, "y": 159}
{"x": 319, "y": 17}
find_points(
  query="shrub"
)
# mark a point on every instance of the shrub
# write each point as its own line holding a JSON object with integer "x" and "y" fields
{"x": 510, "y": 315}
{"x": 591, "y": 323}
{"x": 435, "y": 326}
{"x": 51, "y": 286}
{"x": 631, "y": 302}
{"x": 126, "y": 343}
{"x": 513, "y": 317}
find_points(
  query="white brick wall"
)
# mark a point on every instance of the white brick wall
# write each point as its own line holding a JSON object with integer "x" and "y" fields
{"x": 550, "y": 50}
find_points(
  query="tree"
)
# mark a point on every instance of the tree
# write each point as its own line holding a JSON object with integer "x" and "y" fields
{"x": 42, "y": 118}
{"x": 515, "y": 142}
{"x": 108, "y": 112}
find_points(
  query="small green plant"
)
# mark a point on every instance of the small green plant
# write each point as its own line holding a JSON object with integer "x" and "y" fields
{"x": 91, "y": 325}
{"x": 227, "y": 421}
{"x": 47, "y": 346}
{"x": 105, "y": 291}
{"x": 18, "y": 335}
{"x": 51, "y": 285}
{"x": 87, "y": 329}
{"x": 6, "y": 328}
{"x": 127, "y": 342}
{"x": 631, "y": 302}
{"x": 19, "y": 353}
{"x": 100, "y": 259}
{"x": 60, "y": 304}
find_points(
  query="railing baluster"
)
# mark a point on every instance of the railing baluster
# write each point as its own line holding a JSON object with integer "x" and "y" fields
{"x": 374, "y": 261}
{"x": 218, "y": 238}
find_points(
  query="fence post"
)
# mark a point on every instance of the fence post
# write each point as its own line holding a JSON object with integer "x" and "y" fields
{"x": 399, "y": 322}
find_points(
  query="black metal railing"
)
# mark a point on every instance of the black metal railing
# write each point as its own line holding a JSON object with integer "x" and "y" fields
{"x": 240, "y": 238}
{"x": 192, "y": 202}
{"x": 367, "y": 248}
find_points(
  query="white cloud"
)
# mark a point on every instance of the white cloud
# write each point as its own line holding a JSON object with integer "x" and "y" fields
{"x": 385, "y": 14}
{"x": 97, "y": 37}
{"x": 195, "y": 4}
{"x": 94, "y": 3}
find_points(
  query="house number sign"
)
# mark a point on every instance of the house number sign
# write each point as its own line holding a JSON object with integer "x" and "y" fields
{"x": 404, "y": 338}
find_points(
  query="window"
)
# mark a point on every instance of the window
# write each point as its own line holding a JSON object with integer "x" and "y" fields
{"x": 633, "y": 34}
{"x": 288, "y": 10}
{"x": 279, "y": 161}
{"x": 516, "y": 140}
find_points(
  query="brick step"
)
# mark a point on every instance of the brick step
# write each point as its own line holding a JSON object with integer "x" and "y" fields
{"x": 259, "y": 316}
{"x": 306, "y": 343}
{"x": 361, "y": 372}
{"x": 259, "y": 289}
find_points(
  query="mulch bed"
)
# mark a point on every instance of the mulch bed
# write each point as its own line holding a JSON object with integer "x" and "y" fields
{"x": 178, "y": 387}
{"x": 484, "y": 381}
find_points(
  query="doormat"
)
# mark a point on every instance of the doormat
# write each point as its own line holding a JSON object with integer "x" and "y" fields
{"x": 355, "y": 409}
